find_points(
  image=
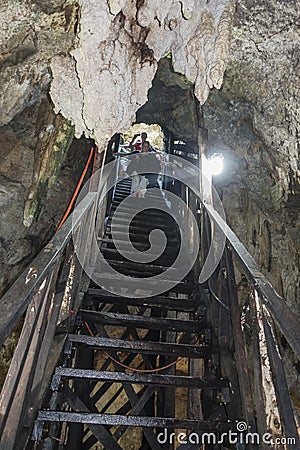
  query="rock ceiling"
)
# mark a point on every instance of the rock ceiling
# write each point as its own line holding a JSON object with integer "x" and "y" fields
{"x": 101, "y": 75}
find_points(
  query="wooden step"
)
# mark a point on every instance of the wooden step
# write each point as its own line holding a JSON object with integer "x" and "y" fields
{"x": 146, "y": 284}
{"x": 145, "y": 213}
{"x": 163, "y": 302}
{"x": 131, "y": 421}
{"x": 112, "y": 253}
{"x": 138, "y": 232}
{"x": 144, "y": 223}
{"x": 124, "y": 244}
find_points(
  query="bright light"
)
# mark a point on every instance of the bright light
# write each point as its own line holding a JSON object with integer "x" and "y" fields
{"x": 210, "y": 167}
{"x": 216, "y": 163}
{"x": 213, "y": 165}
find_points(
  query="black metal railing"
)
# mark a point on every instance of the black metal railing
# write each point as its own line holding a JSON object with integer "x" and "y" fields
{"x": 48, "y": 293}
{"x": 258, "y": 317}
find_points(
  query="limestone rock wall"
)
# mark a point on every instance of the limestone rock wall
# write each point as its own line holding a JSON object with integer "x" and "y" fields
{"x": 31, "y": 33}
{"x": 38, "y": 173}
{"x": 54, "y": 137}
{"x": 254, "y": 120}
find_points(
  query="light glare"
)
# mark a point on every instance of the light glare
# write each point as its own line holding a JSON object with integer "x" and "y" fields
{"x": 213, "y": 165}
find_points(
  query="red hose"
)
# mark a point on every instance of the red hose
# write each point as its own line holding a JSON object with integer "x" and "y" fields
{"x": 158, "y": 369}
{"x": 65, "y": 216}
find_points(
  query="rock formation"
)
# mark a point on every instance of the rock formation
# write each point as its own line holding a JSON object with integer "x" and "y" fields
{"x": 101, "y": 58}
{"x": 106, "y": 77}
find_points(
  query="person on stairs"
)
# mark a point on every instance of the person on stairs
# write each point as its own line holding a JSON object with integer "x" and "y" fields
{"x": 140, "y": 168}
{"x": 137, "y": 141}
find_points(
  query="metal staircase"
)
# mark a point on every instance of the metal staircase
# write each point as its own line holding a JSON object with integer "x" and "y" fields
{"x": 157, "y": 337}
{"x": 177, "y": 370}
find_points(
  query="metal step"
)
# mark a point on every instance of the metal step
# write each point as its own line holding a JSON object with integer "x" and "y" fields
{"x": 153, "y": 323}
{"x": 137, "y": 273}
{"x": 147, "y": 347}
{"x": 170, "y": 303}
{"x": 123, "y": 244}
{"x": 124, "y": 182}
{"x": 169, "y": 254}
{"x": 135, "y": 378}
{"x": 112, "y": 253}
{"x": 130, "y": 421}
{"x": 140, "y": 270}
{"x": 135, "y": 203}
{"x": 148, "y": 283}
{"x": 137, "y": 232}
{"x": 123, "y": 188}
{"x": 134, "y": 267}
{"x": 155, "y": 214}
{"x": 139, "y": 220}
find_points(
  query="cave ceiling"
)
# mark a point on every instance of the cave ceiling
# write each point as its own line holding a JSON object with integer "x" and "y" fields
{"x": 98, "y": 59}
